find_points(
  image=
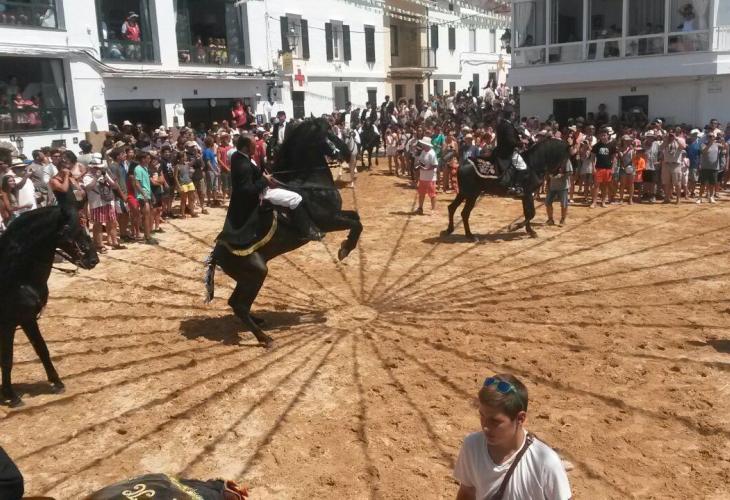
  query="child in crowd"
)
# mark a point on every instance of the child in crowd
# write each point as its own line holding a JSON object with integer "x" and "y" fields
{"x": 558, "y": 189}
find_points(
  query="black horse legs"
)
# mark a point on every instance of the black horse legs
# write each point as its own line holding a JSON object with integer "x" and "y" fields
{"x": 528, "y": 209}
{"x": 465, "y": 214}
{"x": 249, "y": 272}
{"x": 343, "y": 220}
{"x": 452, "y": 210}
{"x": 31, "y": 329}
{"x": 7, "y": 337}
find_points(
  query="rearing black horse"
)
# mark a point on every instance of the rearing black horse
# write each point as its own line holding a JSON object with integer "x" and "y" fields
{"x": 302, "y": 167}
{"x": 546, "y": 156}
{"x": 27, "y": 250}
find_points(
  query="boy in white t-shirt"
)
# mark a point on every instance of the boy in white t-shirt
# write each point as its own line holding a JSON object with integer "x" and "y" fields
{"x": 486, "y": 457}
{"x": 427, "y": 164}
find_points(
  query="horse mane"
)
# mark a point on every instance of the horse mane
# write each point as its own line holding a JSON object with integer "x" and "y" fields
{"x": 302, "y": 136}
{"x": 26, "y": 234}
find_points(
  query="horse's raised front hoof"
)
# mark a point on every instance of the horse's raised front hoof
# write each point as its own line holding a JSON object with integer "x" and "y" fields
{"x": 57, "y": 387}
{"x": 344, "y": 251}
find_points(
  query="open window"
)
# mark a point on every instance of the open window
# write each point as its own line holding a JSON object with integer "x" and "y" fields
{"x": 209, "y": 32}
{"x": 125, "y": 30}
{"x": 32, "y": 95}
{"x": 30, "y": 13}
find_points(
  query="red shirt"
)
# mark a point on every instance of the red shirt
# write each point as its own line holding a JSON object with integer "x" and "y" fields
{"x": 131, "y": 33}
{"x": 259, "y": 155}
{"x": 239, "y": 116}
{"x": 223, "y": 158}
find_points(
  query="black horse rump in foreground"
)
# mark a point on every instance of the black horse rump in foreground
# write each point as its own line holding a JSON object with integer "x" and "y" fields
{"x": 544, "y": 157}
{"x": 301, "y": 167}
{"x": 27, "y": 250}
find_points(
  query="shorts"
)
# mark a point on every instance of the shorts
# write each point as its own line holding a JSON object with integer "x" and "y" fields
{"x": 603, "y": 175}
{"x": 708, "y": 176}
{"x": 427, "y": 188}
{"x": 132, "y": 202}
{"x": 143, "y": 203}
{"x": 586, "y": 179}
{"x": 561, "y": 195}
{"x": 226, "y": 180}
{"x": 187, "y": 188}
{"x": 211, "y": 181}
{"x": 672, "y": 173}
{"x": 648, "y": 176}
{"x": 694, "y": 175}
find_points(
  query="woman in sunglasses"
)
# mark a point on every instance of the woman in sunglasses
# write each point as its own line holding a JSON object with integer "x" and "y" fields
{"x": 504, "y": 461}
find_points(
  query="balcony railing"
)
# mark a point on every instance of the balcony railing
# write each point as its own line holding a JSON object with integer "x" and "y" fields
{"x": 33, "y": 13}
{"x": 33, "y": 119}
{"x": 215, "y": 54}
{"x": 126, "y": 51}
{"x": 717, "y": 39}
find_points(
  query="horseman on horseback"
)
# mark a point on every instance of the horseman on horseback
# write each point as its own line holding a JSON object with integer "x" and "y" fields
{"x": 251, "y": 186}
{"x": 512, "y": 167}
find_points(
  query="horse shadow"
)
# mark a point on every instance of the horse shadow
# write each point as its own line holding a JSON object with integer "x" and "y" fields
{"x": 228, "y": 329}
{"x": 720, "y": 345}
{"x": 451, "y": 239}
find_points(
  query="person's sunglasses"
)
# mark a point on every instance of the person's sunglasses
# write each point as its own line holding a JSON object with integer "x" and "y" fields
{"x": 500, "y": 385}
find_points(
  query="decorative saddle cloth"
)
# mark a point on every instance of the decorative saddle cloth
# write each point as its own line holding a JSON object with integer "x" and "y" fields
{"x": 484, "y": 169}
{"x": 268, "y": 224}
{"x": 164, "y": 487}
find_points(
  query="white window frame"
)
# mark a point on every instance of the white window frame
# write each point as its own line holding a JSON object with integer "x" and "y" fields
{"x": 472, "y": 39}
{"x": 338, "y": 45}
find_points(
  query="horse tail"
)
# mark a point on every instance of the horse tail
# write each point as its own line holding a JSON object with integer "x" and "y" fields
{"x": 210, "y": 263}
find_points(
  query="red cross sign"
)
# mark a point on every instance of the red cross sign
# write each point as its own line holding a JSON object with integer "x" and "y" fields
{"x": 299, "y": 77}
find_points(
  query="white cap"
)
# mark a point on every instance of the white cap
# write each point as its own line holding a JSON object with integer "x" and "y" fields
{"x": 426, "y": 141}
{"x": 126, "y": 122}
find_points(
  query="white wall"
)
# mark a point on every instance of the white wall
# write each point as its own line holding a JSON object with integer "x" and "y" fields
{"x": 693, "y": 102}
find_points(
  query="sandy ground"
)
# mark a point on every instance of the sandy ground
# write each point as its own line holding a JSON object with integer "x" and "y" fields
{"x": 618, "y": 323}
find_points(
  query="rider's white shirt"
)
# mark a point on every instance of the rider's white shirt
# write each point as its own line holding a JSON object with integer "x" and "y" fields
{"x": 281, "y": 197}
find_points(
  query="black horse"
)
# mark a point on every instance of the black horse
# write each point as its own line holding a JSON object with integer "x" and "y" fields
{"x": 369, "y": 140}
{"x": 27, "y": 251}
{"x": 301, "y": 167}
{"x": 544, "y": 157}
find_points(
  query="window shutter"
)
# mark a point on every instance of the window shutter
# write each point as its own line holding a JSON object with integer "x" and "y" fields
{"x": 346, "y": 42}
{"x": 284, "y": 23}
{"x": 369, "y": 44}
{"x": 305, "y": 38}
{"x": 328, "y": 40}
{"x": 434, "y": 36}
{"x": 452, "y": 38}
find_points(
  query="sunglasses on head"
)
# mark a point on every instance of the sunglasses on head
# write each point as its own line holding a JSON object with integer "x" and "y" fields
{"x": 502, "y": 387}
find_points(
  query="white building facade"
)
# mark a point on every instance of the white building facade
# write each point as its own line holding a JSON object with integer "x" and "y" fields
{"x": 662, "y": 58}
{"x": 68, "y": 68}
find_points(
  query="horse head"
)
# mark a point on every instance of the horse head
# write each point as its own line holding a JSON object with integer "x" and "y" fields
{"x": 307, "y": 148}
{"x": 74, "y": 243}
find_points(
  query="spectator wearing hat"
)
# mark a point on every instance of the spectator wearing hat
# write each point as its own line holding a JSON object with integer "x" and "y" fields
{"x": 427, "y": 166}
{"x": 10, "y": 189}
{"x": 694, "y": 154}
{"x": 25, "y": 194}
{"x": 132, "y": 33}
{"x": 99, "y": 186}
{"x": 671, "y": 150}
{"x": 503, "y": 460}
